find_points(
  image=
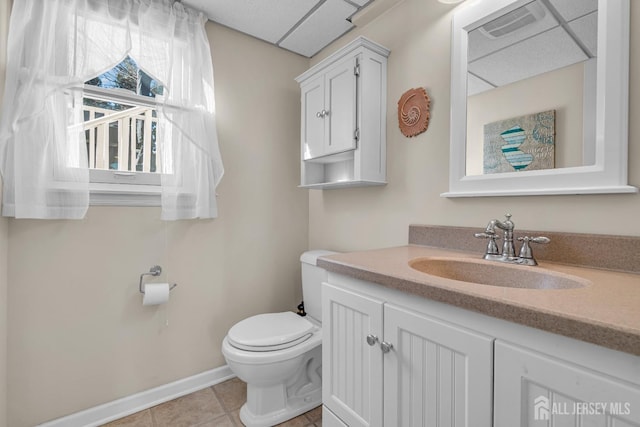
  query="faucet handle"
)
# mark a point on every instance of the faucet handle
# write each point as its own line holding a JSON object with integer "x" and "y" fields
{"x": 492, "y": 248}
{"x": 525, "y": 250}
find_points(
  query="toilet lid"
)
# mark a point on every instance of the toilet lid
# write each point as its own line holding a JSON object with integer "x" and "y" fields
{"x": 269, "y": 332}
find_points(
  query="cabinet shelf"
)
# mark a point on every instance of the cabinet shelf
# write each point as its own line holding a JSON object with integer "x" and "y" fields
{"x": 332, "y": 158}
{"x": 341, "y": 184}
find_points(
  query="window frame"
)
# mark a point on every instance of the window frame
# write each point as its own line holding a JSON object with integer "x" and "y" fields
{"x": 123, "y": 188}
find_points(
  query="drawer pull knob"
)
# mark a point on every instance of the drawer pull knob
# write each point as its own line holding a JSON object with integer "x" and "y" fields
{"x": 372, "y": 340}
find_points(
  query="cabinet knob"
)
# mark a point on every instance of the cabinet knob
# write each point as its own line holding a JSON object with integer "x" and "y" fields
{"x": 322, "y": 114}
{"x": 386, "y": 347}
{"x": 319, "y": 114}
{"x": 372, "y": 340}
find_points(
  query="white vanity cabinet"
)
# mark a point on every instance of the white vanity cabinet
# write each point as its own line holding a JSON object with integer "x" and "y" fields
{"x": 343, "y": 118}
{"x": 384, "y": 364}
{"x": 396, "y": 360}
{"x": 352, "y": 382}
{"x": 437, "y": 373}
{"x": 533, "y": 388}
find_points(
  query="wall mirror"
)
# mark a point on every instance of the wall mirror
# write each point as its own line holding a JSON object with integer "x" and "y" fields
{"x": 539, "y": 98}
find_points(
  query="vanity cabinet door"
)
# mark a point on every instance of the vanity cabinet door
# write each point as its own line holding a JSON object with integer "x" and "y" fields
{"x": 436, "y": 374}
{"x": 534, "y": 389}
{"x": 351, "y": 368}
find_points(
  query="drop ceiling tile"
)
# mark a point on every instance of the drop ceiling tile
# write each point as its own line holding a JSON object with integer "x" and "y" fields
{"x": 545, "y": 52}
{"x": 476, "y": 85}
{"x": 323, "y": 26}
{"x": 572, "y": 9}
{"x": 481, "y": 44}
{"x": 586, "y": 29}
{"x": 266, "y": 20}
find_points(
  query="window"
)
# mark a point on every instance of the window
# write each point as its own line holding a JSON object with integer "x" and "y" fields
{"x": 121, "y": 132}
{"x": 153, "y": 112}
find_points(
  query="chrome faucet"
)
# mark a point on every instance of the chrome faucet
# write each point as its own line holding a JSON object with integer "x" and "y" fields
{"x": 508, "y": 250}
{"x": 508, "y": 254}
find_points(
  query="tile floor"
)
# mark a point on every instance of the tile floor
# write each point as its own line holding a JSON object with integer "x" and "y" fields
{"x": 216, "y": 406}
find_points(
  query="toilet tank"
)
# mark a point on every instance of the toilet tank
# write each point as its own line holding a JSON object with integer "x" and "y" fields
{"x": 312, "y": 278}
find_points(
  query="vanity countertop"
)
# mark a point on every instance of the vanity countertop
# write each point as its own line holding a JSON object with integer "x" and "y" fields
{"x": 607, "y": 312}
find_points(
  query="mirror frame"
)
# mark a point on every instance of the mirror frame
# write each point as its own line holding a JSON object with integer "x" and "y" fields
{"x": 609, "y": 172}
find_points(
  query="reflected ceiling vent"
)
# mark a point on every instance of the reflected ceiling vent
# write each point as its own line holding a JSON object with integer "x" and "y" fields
{"x": 513, "y": 21}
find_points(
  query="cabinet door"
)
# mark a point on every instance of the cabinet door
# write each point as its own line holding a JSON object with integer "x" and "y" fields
{"x": 436, "y": 374}
{"x": 351, "y": 369}
{"x": 340, "y": 104}
{"x": 533, "y": 389}
{"x": 313, "y": 124}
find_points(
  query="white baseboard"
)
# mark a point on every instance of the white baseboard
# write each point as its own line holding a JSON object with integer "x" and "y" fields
{"x": 116, "y": 409}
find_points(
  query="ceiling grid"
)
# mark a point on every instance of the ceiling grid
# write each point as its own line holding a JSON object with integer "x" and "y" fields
{"x": 301, "y": 26}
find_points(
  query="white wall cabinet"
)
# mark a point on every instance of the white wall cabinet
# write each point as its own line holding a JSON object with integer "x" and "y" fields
{"x": 329, "y": 111}
{"x": 439, "y": 371}
{"x": 343, "y": 118}
{"x": 408, "y": 370}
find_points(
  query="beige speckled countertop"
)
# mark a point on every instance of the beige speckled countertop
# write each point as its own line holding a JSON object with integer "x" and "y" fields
{"x": 606, "y": 312}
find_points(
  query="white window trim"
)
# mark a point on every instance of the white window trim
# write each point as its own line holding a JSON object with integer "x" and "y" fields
{"x": 102, "y": 194}
{"x": 118, "y": 188}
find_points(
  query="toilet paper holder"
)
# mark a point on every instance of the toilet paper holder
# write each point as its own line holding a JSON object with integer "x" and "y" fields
{"x": 156, "y": 270}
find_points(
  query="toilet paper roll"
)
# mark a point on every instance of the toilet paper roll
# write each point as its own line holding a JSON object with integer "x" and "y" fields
{"x": 155, "y": 293}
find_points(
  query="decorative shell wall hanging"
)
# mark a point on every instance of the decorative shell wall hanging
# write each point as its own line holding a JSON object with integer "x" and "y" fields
{"x": 413, "y": 112}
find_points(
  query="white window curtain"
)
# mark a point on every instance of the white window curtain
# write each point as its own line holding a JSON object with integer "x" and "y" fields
{"x": 55, "y": 46}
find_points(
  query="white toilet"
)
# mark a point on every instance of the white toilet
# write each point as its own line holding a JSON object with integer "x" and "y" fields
{"x": 279, "y": 355}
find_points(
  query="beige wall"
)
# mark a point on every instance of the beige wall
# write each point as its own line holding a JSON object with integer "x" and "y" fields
{"x": 418, "y": 34}
{"x": 4, "y": 236}
{"x": 80, "y": 334}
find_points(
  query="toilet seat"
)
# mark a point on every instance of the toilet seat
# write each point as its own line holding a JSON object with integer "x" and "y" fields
{"x": 270, "y": 332}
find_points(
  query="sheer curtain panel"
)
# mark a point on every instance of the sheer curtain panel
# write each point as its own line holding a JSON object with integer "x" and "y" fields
{"x": 57, "y": 45}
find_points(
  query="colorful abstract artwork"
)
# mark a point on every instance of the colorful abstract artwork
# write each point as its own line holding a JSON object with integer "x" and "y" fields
{"x": 520, "y": 143}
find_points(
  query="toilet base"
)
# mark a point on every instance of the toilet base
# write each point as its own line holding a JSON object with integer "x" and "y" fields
{"x": 277, "y": 417}
{"x": 267, "y": 406}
